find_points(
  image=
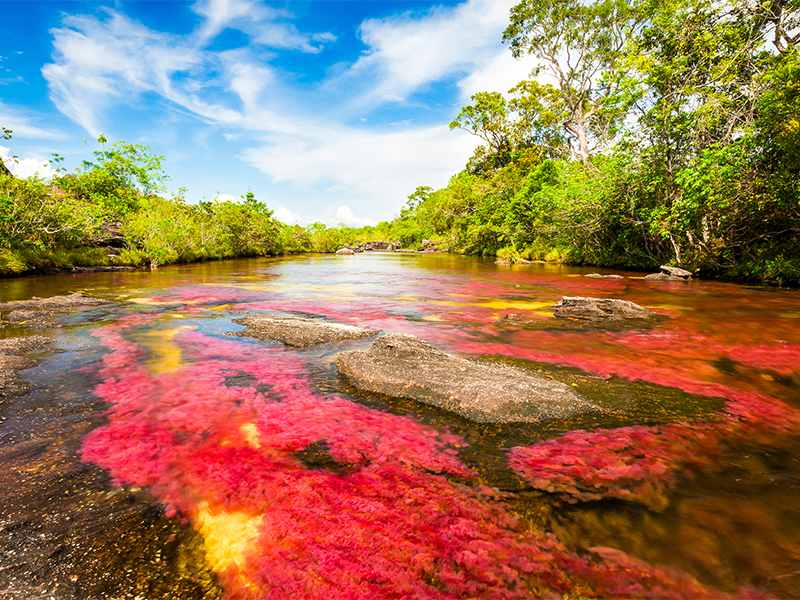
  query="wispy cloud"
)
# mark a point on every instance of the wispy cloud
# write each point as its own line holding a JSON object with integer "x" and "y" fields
{"x": 264, "y": 25}
{"x": 379, "y": 169}
{"x": 21, "y": 123}
{"x": 299, "y": 138}
{"x": 98, "y": 63}
{"x": 409, "y": 52}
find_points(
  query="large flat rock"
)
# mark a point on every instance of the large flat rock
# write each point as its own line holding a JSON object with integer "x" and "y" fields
{"x": 298, "y": 331}
{"x": 599, "y": 309}
{"x": 408, "y": 367}
{"x": 53, "y": 303}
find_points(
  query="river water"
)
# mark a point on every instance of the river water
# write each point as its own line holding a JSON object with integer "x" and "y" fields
{"x": 158, "y": 457}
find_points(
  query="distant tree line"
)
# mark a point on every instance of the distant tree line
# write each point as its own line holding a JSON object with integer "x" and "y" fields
{"x": 114, "y": 210}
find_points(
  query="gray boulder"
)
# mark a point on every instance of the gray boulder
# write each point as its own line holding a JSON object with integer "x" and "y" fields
{"x": 599, "y": 309}
{"x": 344, "y": 252}
{"x": 408, "y": 367}
{"x": 297, "y": 331}
{"x": 670, "y": 274}
{"x": 54, "y": 302}
{"x": 37, "y": 313}
{"x": 32, "y": 319}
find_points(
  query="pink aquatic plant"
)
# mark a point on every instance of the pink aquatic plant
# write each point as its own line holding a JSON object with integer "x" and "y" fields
{"x": 630, "y": 463}
{"x": 640, "y": 464}
{"x": 222, "y": 432}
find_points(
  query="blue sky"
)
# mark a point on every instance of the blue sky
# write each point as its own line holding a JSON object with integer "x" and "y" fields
{"x": 328, "y": 111}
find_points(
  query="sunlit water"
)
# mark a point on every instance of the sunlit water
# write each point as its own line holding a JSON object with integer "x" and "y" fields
{"x": 158, "y": 457}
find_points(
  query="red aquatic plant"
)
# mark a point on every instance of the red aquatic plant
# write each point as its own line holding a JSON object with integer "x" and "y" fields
{"x": 631, "y": 463}
{"x": 222, "y": 433}
{"x": 641, "y": 463}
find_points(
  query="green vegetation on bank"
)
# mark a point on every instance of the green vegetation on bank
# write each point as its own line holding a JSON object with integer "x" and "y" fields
{"x": 114, "y": 211}
{"x": 669, "y": 132}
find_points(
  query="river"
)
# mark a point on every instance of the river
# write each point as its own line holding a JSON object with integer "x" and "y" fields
{"x": 158, "y": 457}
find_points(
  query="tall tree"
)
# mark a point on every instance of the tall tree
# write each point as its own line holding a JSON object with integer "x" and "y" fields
{"x": 528, "y": 124}
{"x": 580, "y": 44}
{"x": 488, "y": 118}
{"x": 784, "y": 17}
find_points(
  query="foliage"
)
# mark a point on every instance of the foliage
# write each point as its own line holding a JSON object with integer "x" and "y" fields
{"x": 708, "y": 177}
{"x": 34, "y": 215}
{"x": 118, "y": 179}
{"x": 525, "y": 129}
{"x": 580, "y": 44}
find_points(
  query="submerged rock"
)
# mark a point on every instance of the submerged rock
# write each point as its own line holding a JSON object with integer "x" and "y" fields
{"x": 32, "y": 319}
{"x": 599, "y": 276}
{"x": 54, "y": 302}
{"x": 670, "y": 274}
{"x": 599, "y": 309}
{"x": 12, "y": 360}
{"x": 408, "y": 367}
{"x": 36, "y": 313}
{"x": 298, "y": 331}
{"x": 517, "y": 320}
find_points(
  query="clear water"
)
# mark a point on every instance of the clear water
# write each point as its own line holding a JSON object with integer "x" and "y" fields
{"x": 140, "y": 502}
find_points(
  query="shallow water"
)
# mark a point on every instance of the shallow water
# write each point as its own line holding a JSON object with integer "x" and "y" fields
{"x": 249, "y": 447}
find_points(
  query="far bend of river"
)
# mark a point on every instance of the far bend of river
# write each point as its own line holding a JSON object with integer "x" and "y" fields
{"x": 158, "y": 457}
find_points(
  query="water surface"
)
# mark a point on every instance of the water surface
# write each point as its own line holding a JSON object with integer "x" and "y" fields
{"x": 158, "y": 457}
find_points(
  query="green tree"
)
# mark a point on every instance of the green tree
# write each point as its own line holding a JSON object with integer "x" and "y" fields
{"x": 525, "y": 127}
{"x": 580, "y": 44}
{"x": 118, "y": 178}
{"x": 488, "y": 118}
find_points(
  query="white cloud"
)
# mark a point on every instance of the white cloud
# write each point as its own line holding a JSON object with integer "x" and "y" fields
{"x": 499, "y": 74}
{"x": 224, "y": 198}
{"x": 100, "y": 62}
{"x": 116, "y": 60}
{"x": 345, "y": 215}
{"x": 379, "y": 169}
{"x": 25, "y": 167}
{"x": 285, "y": 215}
{"x": 406, "y": 53}
{"x": 263, "y": 24}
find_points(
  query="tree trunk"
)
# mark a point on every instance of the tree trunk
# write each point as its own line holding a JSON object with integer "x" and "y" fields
{"x": 583, "y": 145}
{"x": 577, "y": 126}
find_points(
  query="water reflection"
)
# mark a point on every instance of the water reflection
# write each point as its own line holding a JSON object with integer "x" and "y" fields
{"x": 723, "y": 354}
